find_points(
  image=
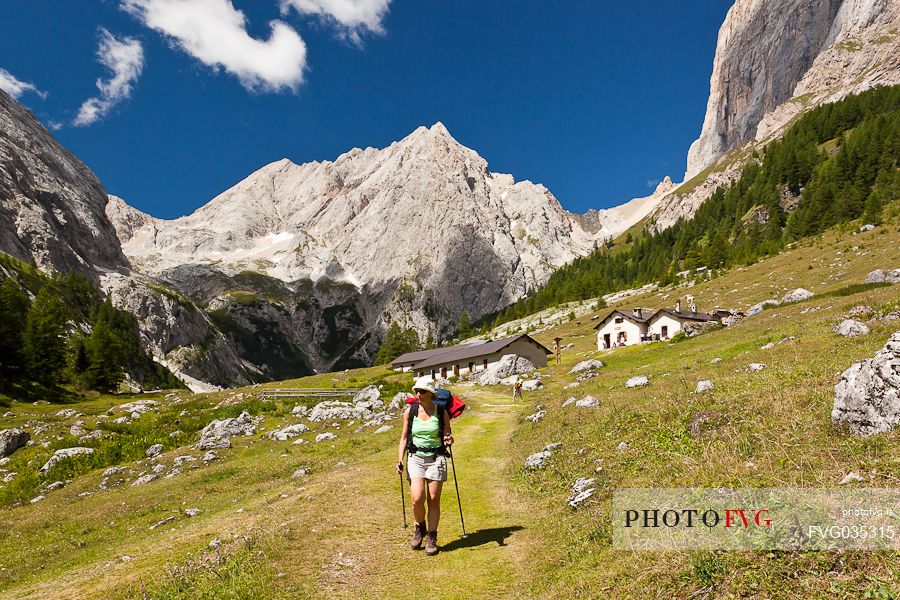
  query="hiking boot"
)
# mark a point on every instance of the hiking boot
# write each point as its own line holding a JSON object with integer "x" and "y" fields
{"x": 431, "y": 543}
{"x": 415, "y": 542}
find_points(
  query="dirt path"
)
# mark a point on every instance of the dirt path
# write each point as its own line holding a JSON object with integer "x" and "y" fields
{"x": 360, "y": 548}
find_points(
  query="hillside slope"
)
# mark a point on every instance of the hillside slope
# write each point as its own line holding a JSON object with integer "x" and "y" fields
{"x": 286, "y": 537}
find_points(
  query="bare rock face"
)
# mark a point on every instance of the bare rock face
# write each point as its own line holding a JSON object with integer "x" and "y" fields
{"x": 883, "y": 276}
{"x": 11, "y": 440}
{"x": 51, "y": 204}
{"x": 868, "y": 395}
{"x": 808, "y": 51}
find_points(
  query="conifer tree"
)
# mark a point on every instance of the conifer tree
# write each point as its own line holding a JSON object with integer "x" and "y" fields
{"x": 43, "y": 338}
{"x": 13, "y": 308}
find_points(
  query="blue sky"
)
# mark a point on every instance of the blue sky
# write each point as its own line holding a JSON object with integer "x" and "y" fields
{"x": 596, "y": 100}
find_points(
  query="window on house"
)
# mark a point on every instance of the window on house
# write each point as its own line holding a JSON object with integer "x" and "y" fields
{"x": 620, "y": 320}
{"x": 665, "y": 331}
{"x": 485, "y": 363}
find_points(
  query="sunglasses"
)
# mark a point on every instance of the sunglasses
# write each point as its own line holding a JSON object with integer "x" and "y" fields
{"x": 423, "y": 391}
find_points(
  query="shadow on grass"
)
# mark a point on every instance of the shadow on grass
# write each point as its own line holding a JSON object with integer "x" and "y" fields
{"x": 482, "y": 537}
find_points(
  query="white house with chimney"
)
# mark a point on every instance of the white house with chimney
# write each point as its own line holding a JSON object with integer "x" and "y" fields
{"x": 622, "y": 328}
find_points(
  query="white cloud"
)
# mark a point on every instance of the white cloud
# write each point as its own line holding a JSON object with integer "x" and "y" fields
{"x": 215, "y": 33}
{"x": 125, "y": 60}
{"x": 652, "y": 183}
{"x": 352, "y": 17}
{"x": 15, "y": 88}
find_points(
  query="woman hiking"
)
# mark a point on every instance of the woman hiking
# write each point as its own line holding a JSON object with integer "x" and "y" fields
{"x": 425, "y": 435}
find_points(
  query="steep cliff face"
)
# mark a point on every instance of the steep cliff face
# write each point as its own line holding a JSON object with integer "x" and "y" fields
{"x": 422, "y": 231}
{"x": 776, "y": 58}
{"x": 51, "y": 204}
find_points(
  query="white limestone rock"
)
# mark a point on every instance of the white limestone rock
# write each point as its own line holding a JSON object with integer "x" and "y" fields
{"x": 867, "y": 398}
{"x": 64, "y": 454}
{"x": 637, "y": 381}
{"x": 286, "y": 433}
{"x": 586, "y": 365}
{"x": 851, "y": 328}
{"x": 704, "y": 385}
{"x": 218, "y": 433}
{"x": 536, "y": 417}
{"x": 11, "y": 440}
{"x": 588, "y": 402}
{"x": 532, "y": 385}
{"x": 508, "y": 367}
{"x": 325, "y": 437}
{"x": 797, "y": 295}
{"x": 154, "y": 450}
{"x": 883, "y": 276}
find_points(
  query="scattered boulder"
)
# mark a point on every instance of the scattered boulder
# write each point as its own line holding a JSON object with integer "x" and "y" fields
{"x": 90, "y": 437}
{"x": 180, "y": 460}
{"x": 367, "y": 407}
{"x": 768, "y": 346}
{"x": 64, "y": 454}
{"x": 716, "y": 360}
{"x": 883, "y": 276}
{"x": 581, "y": 491}
{"x": 300, "y": 410}
{"x": 622, "y": 446}
{"x": 760, "y": 306}
{"x": 754, "y": 367}
{"x": 299, "y": 473}
{"x": 112, "y": 471}
{"x": 210, "y": 456}
{"x": 154, "y": 450}
{"x": 165, "y": 521}
{"x": 325, "y": 437}
{"x": 139, "y": 407}
{"x": 192, "y": 512}
{"x": 36, "y": 499}
{"x": 66, "y": 413}
{"x": 286, "y": 433}
{"x": 704, "y": 385}
{"x": 538, "y": 459}
{"x": 868, "y": 396}
{"x": 866, "y": 227}
{"x": 587, "y": 402}
{"x": 77, "y": 429}
{"x": 586, "y": 365}
{"x": 145, "y": 479}
{"x": 797, "y": 295}
{"x": 531, "y": 385}
{"x": 571, "y": 385}
{"x": 536, "y": 417}
{"x": 383, "y": 429}
{"x": 637, "y": 381}
{"x": 851, "y": 328}
{"x": 398, "y": 402}
{"x": 507, "y": 366}
{"x": 11, "y": 440}
{"x": 219, "y": 432}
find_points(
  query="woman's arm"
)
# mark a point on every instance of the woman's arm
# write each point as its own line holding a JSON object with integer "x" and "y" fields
{"x": 401, "y": 447}
{"x": 448, "y": 432}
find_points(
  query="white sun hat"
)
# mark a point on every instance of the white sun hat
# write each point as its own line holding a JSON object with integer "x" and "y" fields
{"x": 424, "y": 383}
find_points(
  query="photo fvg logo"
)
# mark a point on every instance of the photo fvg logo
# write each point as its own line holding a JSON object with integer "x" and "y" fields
{"x": 690, "y": 517}
{"x": 665, "y": 519}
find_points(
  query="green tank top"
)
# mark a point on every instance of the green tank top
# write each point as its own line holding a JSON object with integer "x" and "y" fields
{"x": 425, "y": 434}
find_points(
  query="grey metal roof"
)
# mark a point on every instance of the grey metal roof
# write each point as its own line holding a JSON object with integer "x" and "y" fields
{"x": 458, "y": 353}
{"x": 420, "y": 355}
{"x": 691, "y": 316}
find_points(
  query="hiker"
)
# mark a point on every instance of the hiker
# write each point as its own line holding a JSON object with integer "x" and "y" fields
{"x": 427, "y": 462}
{"x": 517, "y": 390}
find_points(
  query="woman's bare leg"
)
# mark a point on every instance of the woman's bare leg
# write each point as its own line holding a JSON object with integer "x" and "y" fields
{"x": 434, "y": 504}
{"x": 417, "y": 492}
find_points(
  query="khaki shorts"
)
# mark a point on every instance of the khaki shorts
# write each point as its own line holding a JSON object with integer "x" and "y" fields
{"x": 427, "y": 467}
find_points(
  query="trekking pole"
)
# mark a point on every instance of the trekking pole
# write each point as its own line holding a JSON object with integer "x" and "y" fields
{"x": 403, "y": 499}
{"x": 458, "y": 501}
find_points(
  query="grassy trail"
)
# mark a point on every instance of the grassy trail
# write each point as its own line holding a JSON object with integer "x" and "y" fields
{"x": 362, "y": 551}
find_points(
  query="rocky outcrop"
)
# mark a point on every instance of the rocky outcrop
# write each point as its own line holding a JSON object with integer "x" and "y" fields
{"x": 51, "y": 204}
{"x": 851, "y": 328}
{"x": 508, "y": 366}
{"x": 11, "y": 440}
{"x": 867, "y": 398}
{"x": 64, "y": 454}
{"x": 218, "y": 433}
{"x": 609, "y": 222}
{"x": 883, "y": 276}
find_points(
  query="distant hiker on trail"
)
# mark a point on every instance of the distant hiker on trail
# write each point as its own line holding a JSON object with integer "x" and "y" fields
{"x": 517, "y": 390}
{"x": 425, "y": 436}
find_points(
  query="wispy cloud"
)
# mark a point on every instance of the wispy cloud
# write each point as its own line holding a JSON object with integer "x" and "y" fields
{"x": 215, "y": 33}
{"x": 15, "y": 87}
{"x": 125, "y": 60}
{"x": 351, "y": 17}
{"x": 652, "y": 183}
